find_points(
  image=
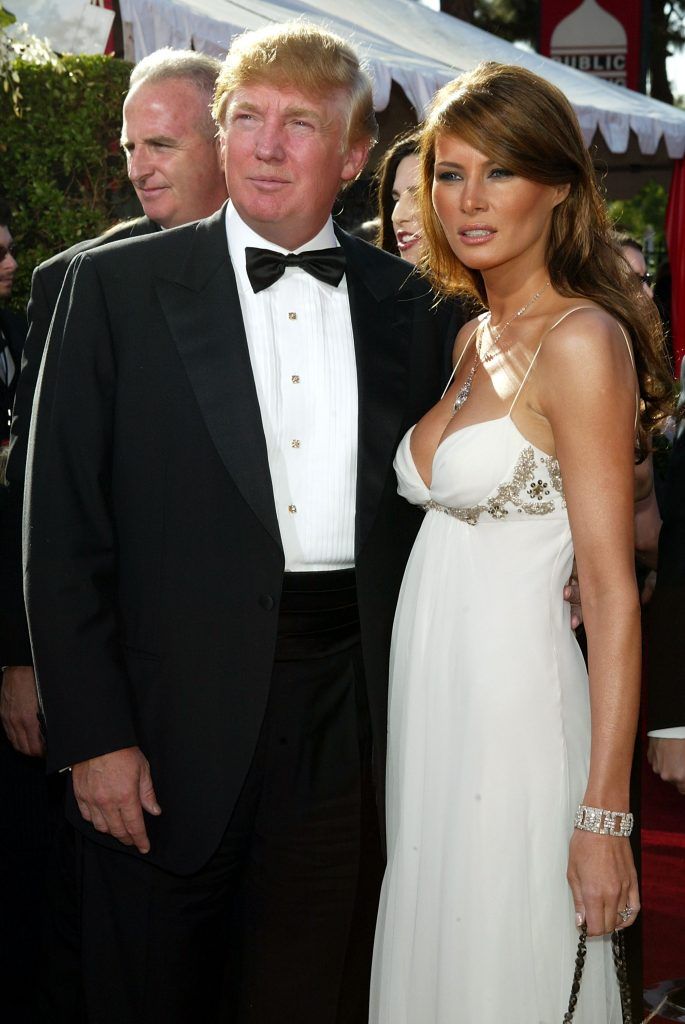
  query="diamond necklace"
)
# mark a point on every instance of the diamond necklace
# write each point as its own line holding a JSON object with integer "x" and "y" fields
{"x": 465, "y": 390}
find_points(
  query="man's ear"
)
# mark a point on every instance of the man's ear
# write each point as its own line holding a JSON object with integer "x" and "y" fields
{"x": 355, "y": 161}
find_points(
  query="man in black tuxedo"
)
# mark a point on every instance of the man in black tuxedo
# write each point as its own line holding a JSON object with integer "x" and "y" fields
{"x": 666, "y": 611}
{"x": 169, "y": 138}
{"x": 214, "y": 547}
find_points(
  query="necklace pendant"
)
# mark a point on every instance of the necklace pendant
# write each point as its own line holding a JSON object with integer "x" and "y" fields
{"x": 462, "y": 394}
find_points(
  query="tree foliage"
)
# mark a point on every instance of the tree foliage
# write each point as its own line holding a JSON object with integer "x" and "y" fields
{"x": 667, "y": 31}
{"x": 60, "y": 165}
{"x": 514, "y": 20}
{"x": 16, "y": 42}
{"x": 644, "y": 216}
{"x": 463, "y": 9}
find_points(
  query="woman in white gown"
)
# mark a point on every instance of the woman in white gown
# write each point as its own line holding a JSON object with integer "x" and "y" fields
{"x": 495, "y": 734}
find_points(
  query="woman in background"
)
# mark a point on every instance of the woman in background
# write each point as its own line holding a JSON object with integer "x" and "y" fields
{"x": 498, "y": 743}
{"x": 400, "y": 229}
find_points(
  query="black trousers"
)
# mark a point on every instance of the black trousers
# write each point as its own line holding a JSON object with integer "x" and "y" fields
{"x": 278, "y": 926}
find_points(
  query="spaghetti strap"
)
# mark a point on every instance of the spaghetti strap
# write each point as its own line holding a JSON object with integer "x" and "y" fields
{"x": 632, "y": 360}
{"x": 458, "y": 362}
{"x": 628, "y": 344}
{"x": 556, "y": 324}
{"x": 537, "y": 351}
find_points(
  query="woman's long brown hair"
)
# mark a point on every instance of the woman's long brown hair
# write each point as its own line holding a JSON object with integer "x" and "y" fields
{"x": 525, "y": 123}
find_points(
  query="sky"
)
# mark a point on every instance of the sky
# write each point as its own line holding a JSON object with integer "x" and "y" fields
{"x": 675, "y": 69}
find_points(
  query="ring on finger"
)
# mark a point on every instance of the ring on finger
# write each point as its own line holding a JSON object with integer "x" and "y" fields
{"x": 626, "y": 914}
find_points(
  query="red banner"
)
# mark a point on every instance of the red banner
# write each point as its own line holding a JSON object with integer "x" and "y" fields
{"x": 601, "y": 38}
{"x": 675, "y": 239}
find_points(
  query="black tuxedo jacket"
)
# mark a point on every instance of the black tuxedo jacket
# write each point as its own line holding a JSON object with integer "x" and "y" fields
{"x": 666, "y": 610}
{"x": 154, "y": 563}
{"x": 46, "y": 282}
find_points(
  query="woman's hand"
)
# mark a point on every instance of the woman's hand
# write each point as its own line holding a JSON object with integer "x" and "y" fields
{"x": 603, "y": 881}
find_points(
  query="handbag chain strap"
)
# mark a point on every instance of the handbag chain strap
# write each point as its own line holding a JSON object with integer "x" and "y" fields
{"x": 618, "y": 948}
{"x": 619, "y": 953}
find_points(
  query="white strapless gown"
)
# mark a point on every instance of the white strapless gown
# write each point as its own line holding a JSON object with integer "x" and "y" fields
{"x": 489, "y": 730}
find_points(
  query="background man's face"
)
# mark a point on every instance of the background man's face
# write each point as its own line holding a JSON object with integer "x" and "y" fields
{"x": 284, "y": 159}
{"x": 8, "y": 264}
{"x": 173, "y": 164}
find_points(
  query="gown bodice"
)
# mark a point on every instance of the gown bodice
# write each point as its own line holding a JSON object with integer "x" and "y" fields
{"x": 486, "y": 472}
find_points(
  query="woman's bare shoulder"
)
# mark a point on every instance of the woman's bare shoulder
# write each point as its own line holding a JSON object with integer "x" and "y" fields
{"x": 465, "y": 334}
{"x": 582, "y": 318}
{"x": 585, "y": 351}
{"x": 585, "y": 333}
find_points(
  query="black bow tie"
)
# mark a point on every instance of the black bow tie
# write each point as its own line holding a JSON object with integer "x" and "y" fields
{"x": 264, "y": 266}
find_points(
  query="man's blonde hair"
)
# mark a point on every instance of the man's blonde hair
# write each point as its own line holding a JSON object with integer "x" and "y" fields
{"x": 303, "y": 56}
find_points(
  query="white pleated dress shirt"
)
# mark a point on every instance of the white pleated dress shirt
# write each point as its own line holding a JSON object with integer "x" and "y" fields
{"x": 299, "y": 336}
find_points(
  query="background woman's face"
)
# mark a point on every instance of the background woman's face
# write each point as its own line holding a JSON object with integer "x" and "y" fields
{"x": 406, "y": 220}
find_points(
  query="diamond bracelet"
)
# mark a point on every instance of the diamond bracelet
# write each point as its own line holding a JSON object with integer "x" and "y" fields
{"x": 615, "y": 823}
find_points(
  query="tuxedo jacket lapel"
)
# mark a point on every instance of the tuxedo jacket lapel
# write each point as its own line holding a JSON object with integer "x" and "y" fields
{"x": 381, "y": 323}
{"x": 203, "y": 313}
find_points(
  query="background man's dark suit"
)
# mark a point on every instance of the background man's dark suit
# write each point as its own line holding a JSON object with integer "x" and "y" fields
{"x": 164, "y": 406}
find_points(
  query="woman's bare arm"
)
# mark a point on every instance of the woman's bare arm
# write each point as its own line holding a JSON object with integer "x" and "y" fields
{"x": 585, "y": 386}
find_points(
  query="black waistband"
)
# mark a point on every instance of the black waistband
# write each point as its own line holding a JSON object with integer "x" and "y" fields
{"x": 318, "y": 614}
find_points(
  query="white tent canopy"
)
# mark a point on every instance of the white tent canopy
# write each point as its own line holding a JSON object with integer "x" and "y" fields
{"x": 416, "y": 47}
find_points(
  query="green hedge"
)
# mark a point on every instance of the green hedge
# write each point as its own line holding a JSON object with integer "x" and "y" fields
{"x": 61, "y": 166}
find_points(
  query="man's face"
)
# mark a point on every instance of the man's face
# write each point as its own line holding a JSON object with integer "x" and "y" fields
{"x": 8, "y": 264}
{"x": 285, "y": 158}
{"x": 173, "y": 164}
